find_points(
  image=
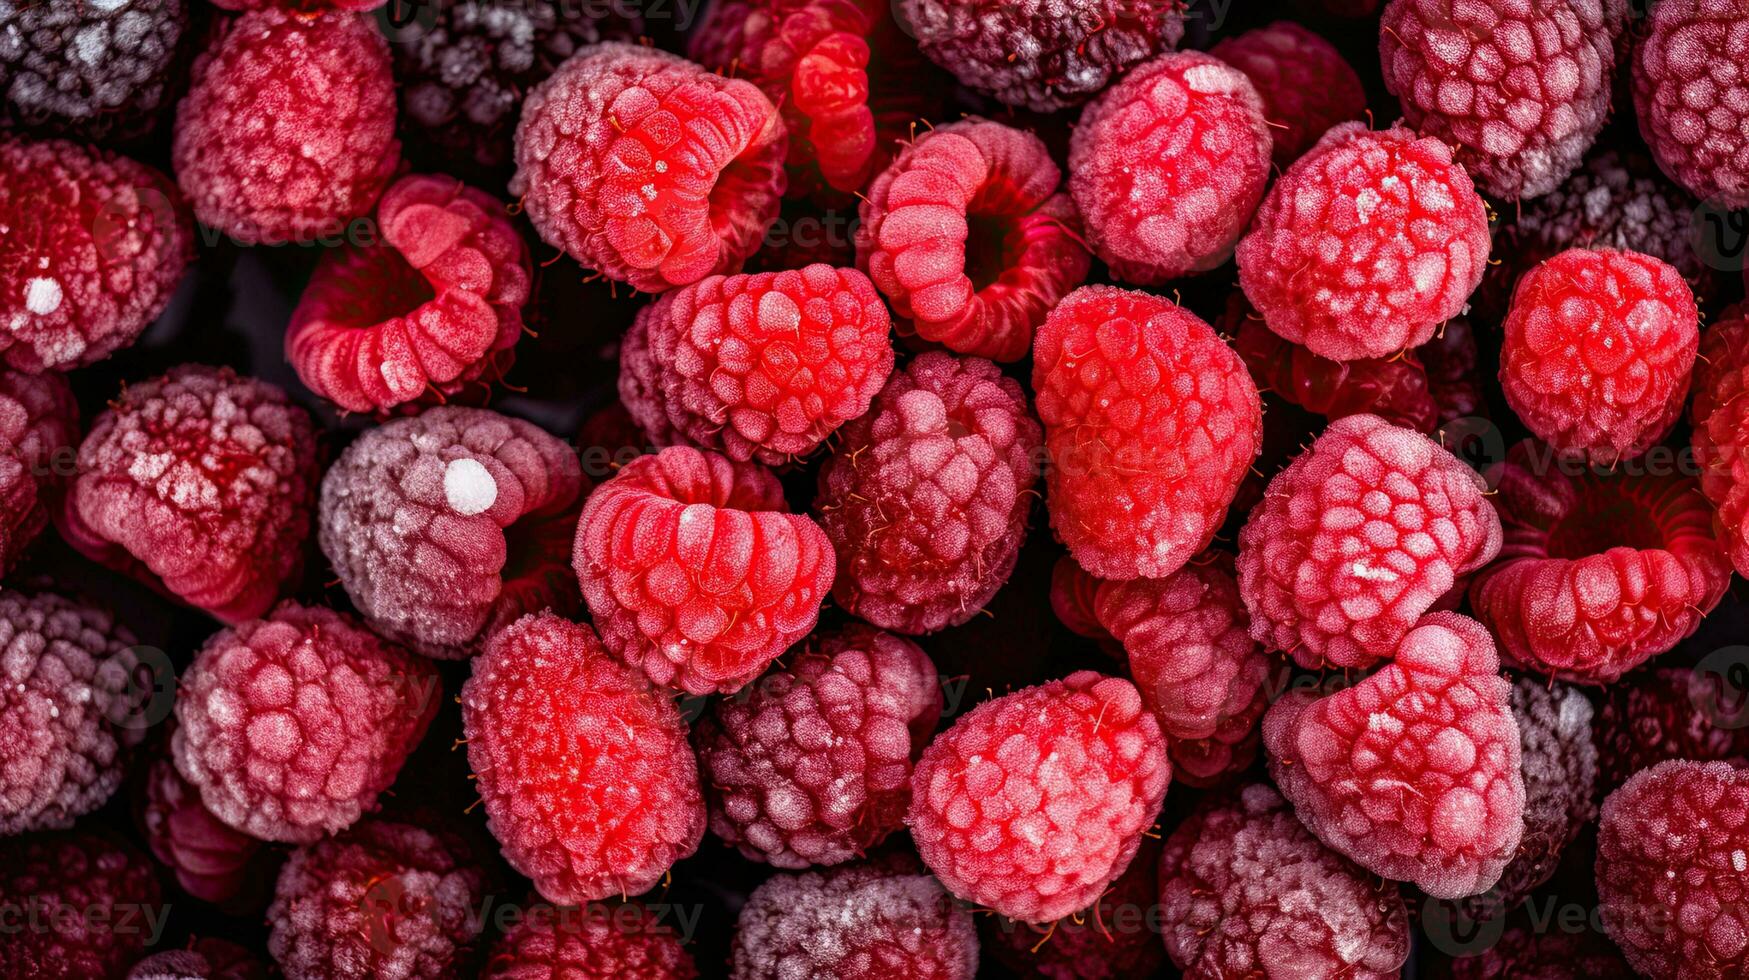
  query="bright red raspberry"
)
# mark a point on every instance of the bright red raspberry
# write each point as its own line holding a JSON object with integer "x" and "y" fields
{"x": 199, "y": 482}
{"x": 648, "y": 168}
{"x": 1721, "y": 428}
{"x": 39, "y": 428}
{"x": 209, "y": 859}
{"x": 588, "y": 781}
{"x": 694, "y": 570}
{"x": 1245, "y": 890}
{"x": 63, "y": 893}
{"x": 1671, "y": 849}
{"x": 288, "y": 130}
{"x": 625, "y": 943}
{"x": 926, "y": 498}
{"x": 1366, "y": 245}
{"x": 1691, "y": 96}
{"x": 447, "y": 526}
{"x": 1413, "y": 773}
{"x": 1358, "y": 537}
{"x": 1305, "y": 83}
{"x": 1151, "y": 423}
{"x": 1544, "y": 954}
{"x": 1033, "y": 803}
{"x": 203, "y": 959}
{"x": 1073, "y": 597}
{"x": 1115, "y": 939}
{"x": 1664, "y": 713}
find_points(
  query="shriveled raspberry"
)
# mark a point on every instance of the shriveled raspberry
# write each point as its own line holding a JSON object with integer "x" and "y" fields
{"x": 447, "y": 526}
{"x": 588, "y": 781}
{"x": 1599, "y": 572}
{"x": 1033, "y": 803}
{"x": 1245, "y": 890}
{"x": 94, "y": 71}
{"x": 694, "y": 571}
{"x": 1721, "y": 428}
{"x": 968, "y": 235}
{"x": 199, "y": 482}
{"x": 204, "y": 959}
{"x": 39, "y": 430}
{"x": 1366, "y": 244}
{"x": 1454, "y": 378}
{"x": 1305, "y": 84}
{"x": 63, "y": 893}
{"x": 1073, "y": 597}
{"x": 1151, "y": 423}
{"x": 96, "y": 244}
{"x": 648, "y": 168}
{"x": 208, "y": 858}
{"x": 1692, "y": 96}
{"x": 1357, "y": 538}
{"x": 1115, "y": 939}
{"x": 1670, "y": 870}
{"x": 288, "y": 130}
{"x": 1413, "y": 773}
{"x": 626, "y": 941}
{"x": 926, "y": 498}
{"x": 1544, "y": 954}
{"x": 417, "y": 316}
{"x": 1664, "y": 713}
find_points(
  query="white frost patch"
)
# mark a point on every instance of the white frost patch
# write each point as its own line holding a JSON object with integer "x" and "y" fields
{"x": 42, "y": 296}
{"x": 469, "y": 487}
{"x": 1361, "y": 570}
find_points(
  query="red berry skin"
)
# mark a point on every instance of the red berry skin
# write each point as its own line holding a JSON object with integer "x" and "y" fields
{"x": 39, "y": 428}
{"x": 1151, "y": 424}
{"x": 1721, "y": 428}
{"x": 1305, "y": 84}
{"x": 1366, "y": 244}
{"x": 1073, "y": 597}
{"x": 1117, "y": 938}
{"x": 588, "y": 781}
{"x": 576, "y": 944}
{"x": 209, "y": 859}
{"x": 65, "y": 891}
{"x": 1664, "y": 713}
{"x": 1692, "y": 97}
{"x": 1035, "y": 802}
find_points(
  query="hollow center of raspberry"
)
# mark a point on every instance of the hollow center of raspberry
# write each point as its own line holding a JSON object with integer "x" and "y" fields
{"x": 986, "y": 248}
{"x": 384, "y": 286}
{"x": 1602, "y": 520}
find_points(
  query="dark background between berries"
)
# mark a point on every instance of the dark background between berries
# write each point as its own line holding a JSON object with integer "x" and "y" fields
{"x": 233, "y": 308}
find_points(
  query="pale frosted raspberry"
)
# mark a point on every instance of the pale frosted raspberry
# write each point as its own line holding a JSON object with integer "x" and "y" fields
{"x": 1691, "y": 95}
{"x": 1305, "y": 84}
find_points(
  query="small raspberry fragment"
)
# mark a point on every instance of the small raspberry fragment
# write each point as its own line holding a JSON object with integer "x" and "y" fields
{"x": 1246, "y": 890}
{"x": 1357, "y": 538}
{"x": 1304, "y": 82}
{"x": 204, "y": 959}
{"x": 433, "y": 305}
{"x": 288, "y": 130}
{"x": 209, "y": 859}
{"x": 199, "y": 482}
{"x": 628, "y": 943}
{"x": 91, "y": 71}
{"x": 588, "y": 781}
{"x": 1073, "y": 597}
{"x": 926, "y": 498}
{"x": 1167, "y": 167}
{"x": 39, "y": 430}
{"x": 1544, "y": 954}
{"x": 64, "y": 892}
{"x": 648, "y": 168}
{"x": 1664, "y": 713}
{"x": 1116, "y": 939}
{"x": 1670, "y": 870}
{"x": 447, "y": 526}
{"x": 1414, "y": 772}
{"x": 1151, "y": 424}
{"x": 694, "y": 571}
{"x": 1721, "y": 428}
{"x": 1366, "y": 245}
{"x": 1035, "y": 802}
{"x": 1691, "y": 96}
{"x": 970, "y": 237}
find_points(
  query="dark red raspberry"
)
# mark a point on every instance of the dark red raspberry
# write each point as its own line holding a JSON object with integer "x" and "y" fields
{"x": 969, "y": 236}
{"x": 926, "y": 498}
{"x": 1721, "y": 428}
{"x": 302, "y": 6}
{"x": 39, "y": 428}
{"x": 96, "y": 244}
{"x": 415, "y": 317}
{"x": 97, "y": 71}
{"x": 588, "y": 781}
{"x": 1305, "y": 84}
{"x": 1035, "y": 802}
{"x": 1358, "y": 537}
{"x": 210, "y": 861}
{"x": 1117, "y": 938}
{"x": 1692, "y": 96}
{"x": 622, "y": 942}
{"x": 199, "y": 482}
{"x": 1453, "y": 376}
{"x": 648, "y": 168}
{"x": 1073, "y": 597}
{"x": 695, "y": 572}
{"x": 1151, "y": 423}
{"x": 445, "y": 527}
{"x": 65, "y": 895}
{"x": 1538, "y": 954}
{"x": 1414, "y": 772}
{"x": 1366, "y": 244}
{"x": 204, "y": 959}
{"x": 1664, "y": 713}
{"x": 641, "y": 380}
{"x": 288, "y": 131}
{"x": 1245, "y": 890}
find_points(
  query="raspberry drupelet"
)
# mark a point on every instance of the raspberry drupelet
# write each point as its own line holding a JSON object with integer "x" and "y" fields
{"x": 1663, "y": 713}
{"x": 39, "y": 428}
{"x": 1304, "y": 82}
{"x": 648, "y": 168}
{"x": 1117, "y": 938}
{"x": 1721, "y": 429}
{"x": 65, "y": 893}
{"x": 1691, "y": 96}
{"x": 208, "y": 858}
{"x": 90, "y": 71}
{"x": 970, "y": 237}
{"x": 626, "y": 943}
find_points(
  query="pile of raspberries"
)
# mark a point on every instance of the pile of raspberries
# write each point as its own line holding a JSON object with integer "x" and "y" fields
{"x": 929, "y": 489}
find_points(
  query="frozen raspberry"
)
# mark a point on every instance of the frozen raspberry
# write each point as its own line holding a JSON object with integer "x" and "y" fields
{"x": 384, "y": 899}
{"x": 1599, "y": 571}
{"x": 39, "y": 428}
{"x": 926, "y": 497}
{"x": 1245, "y": 890}
{"x": 1116, "y": 939}
{"x": 762, "y": 366}
{"x": 1413, "y": 773}
{"x": 1366, "y": 244}
{"x": 210, "y": 860}
{"x": 1454, "y": 378}
{"x": 1670, "y": 870}
{"x": 1304, "y": 82}
{"x": 1357, "y": 538}
{"x": 1692, "y": 96}
{"x": 1664, "y": 713}
{"x": 304, "y": 6}
{"x": 204, "y": 959}
{"x": 436, "y": 304}
{"x": 971, "y": 239}
{"x": 1544, "y": 954}
{"x": 1721, "y": 428}
{"x": 199, "y": 482}
{"x": 1151, "y": 423}
{"x": 1033, "y": 803}
{"x": 96, "y": 244}
{"x": 1073, "y": 594}
{"x": 588, "y": 781}
{"x": 695, "y": 572}
{"x": 288, "y": 132}
{"x": 648, "y": 168}
{"x": 1167, "y": 167}
{"x": 447, "y": 526}
{"x": 814, "y": 765}
{"x": 865, "y": 920}
{"x": 1041, "y": 54}
{"x": 65, "y": 895}
{"x": 625, "y": 944}
{"x": 98, "y": 71}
